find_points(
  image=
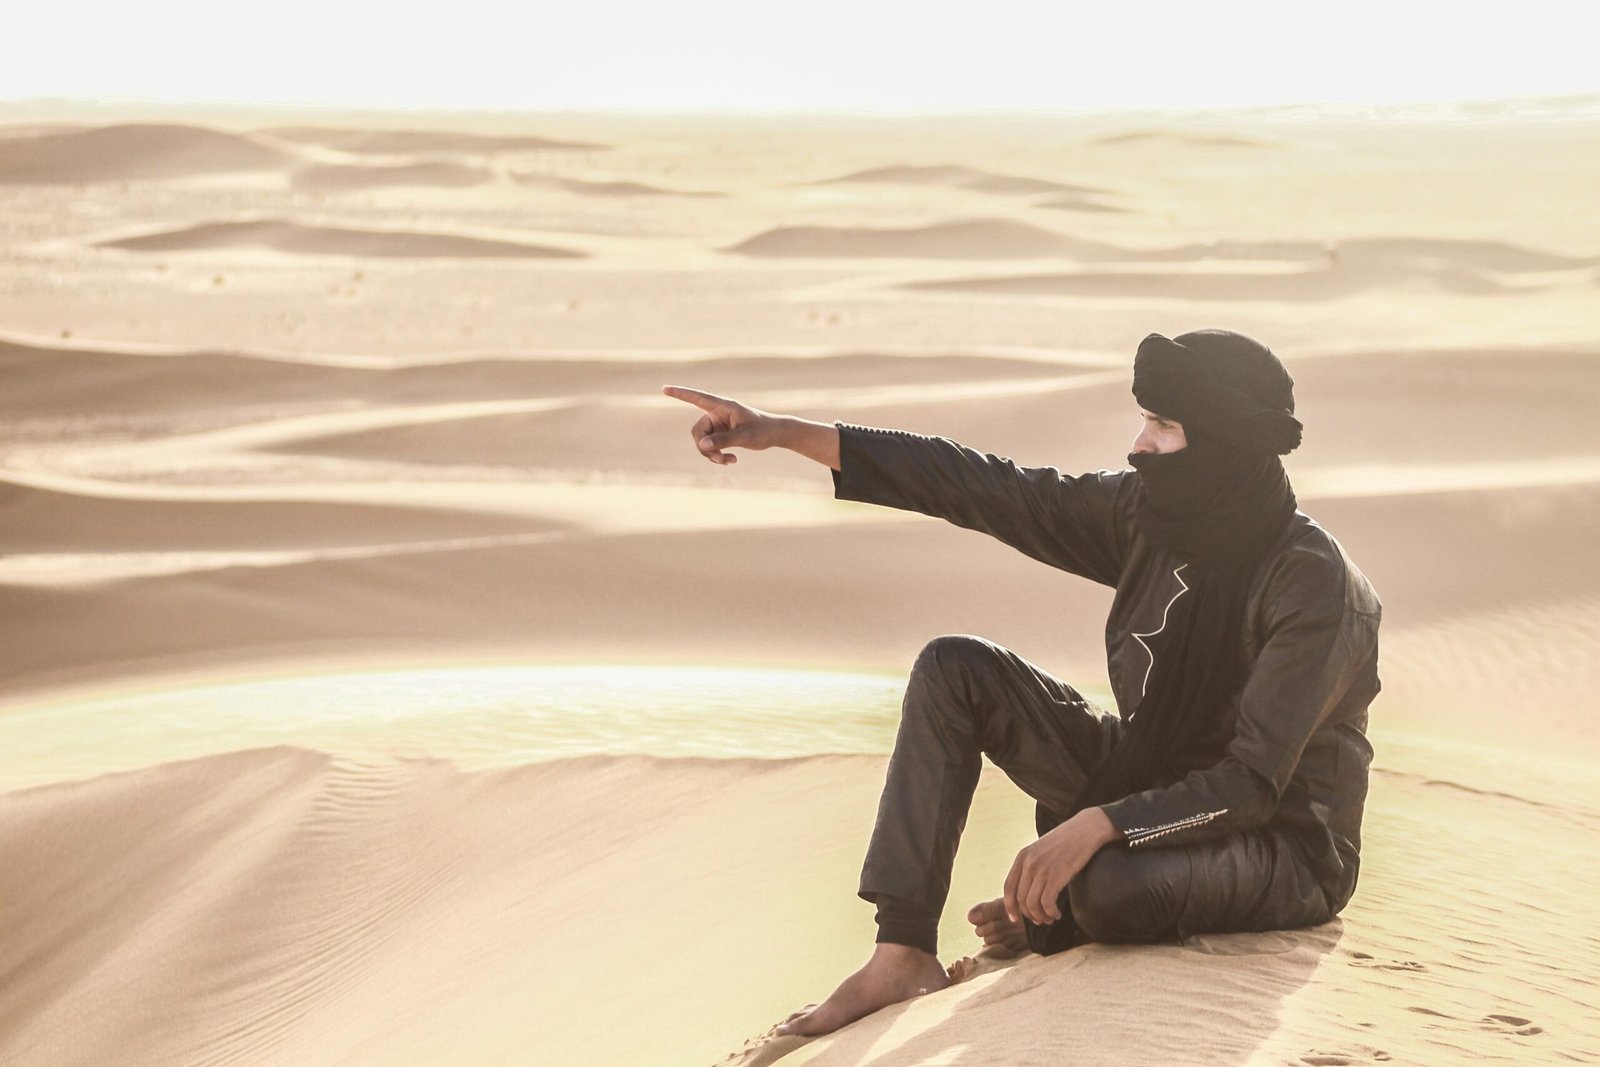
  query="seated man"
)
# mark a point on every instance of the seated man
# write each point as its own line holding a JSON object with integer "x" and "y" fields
{"x": 1242, "y": 647}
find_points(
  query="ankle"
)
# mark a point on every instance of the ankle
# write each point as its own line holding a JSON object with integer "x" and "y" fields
{"x": 898, "y": 955}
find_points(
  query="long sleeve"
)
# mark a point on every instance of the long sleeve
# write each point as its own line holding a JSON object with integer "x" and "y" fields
{"x": 1078, "y": 524}
{"x": 1319, "y": 640}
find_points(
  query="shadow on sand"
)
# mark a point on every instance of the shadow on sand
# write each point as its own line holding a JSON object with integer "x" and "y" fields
{"x": 1214, "y": 998}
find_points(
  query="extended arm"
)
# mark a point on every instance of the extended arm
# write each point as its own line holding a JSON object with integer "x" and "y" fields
{"x": 1077, "y": 523}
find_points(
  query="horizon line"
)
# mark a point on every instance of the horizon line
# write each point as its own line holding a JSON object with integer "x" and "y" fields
{"x": 1552, "y": 105}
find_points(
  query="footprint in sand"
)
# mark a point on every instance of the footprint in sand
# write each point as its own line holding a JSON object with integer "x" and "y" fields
{"x": 1510, "y": 1025}
{"x": 1362, "y": 959}
{"x": 1344, "y": 1057}
{"x": 1514, "y": 1025}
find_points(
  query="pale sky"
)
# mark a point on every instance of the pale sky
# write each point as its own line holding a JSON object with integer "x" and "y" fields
{"x": 798, "y": 55}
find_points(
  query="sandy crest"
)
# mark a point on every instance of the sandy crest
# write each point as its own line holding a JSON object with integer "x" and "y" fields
{"x": 277, "y": 396}
{"x": 282, "y": 906}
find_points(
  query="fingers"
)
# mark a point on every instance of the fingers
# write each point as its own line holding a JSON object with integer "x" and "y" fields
{"x": 711, "y": 432}
{"x": 701, "y": 430}
{"x": 1030, "y": 891}
{"x": 702, "y": 400}
{"x": 711, "y": 446}
{"x": 710, "y": 442}
{"x": 1043, "y": 902}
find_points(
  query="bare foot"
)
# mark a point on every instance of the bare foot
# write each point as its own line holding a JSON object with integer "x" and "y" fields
{"x": 894, "y": 973}
{"x": 1002, "y": 938}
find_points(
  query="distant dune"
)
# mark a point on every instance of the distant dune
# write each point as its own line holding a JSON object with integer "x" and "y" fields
{"x": 35, "y": 519}
{"x": 961, "y": 239}
{"x": 51, "y": 380}
{"x": 336, "y": 178}
{"x": 284, "y": 235}
{"x": 35, "y": 129}
{"x": 604, "y": 188}
{"x": 1181, "y": 138}
{"x": 999, "y": 238}
{"x": 1325, "y": 283}
{"x": 1080, "y": 203}
{"x": 1310, "y": 272}
{"x": 400, "y": 142}
{"x": 961, "y": 178}
{"x": 133, "y": 150}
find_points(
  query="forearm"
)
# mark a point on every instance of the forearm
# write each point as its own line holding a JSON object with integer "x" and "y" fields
{"x": 1225, "y": 798}
{"x": 817, "y": 441}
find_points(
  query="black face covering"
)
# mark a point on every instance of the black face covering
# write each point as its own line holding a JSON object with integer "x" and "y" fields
{"x": 1218, "y": 506}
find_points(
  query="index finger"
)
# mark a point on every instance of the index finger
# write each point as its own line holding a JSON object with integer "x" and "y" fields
{"x": 703, "y": 401}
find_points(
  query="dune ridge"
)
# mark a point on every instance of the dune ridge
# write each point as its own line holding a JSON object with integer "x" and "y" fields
{"x": 604, "y": 189}
{"x": 1324, "y": 283}
{"x": 437, "y": 174}
{"x": 41, "y": 519}
{"x": 958, "y": 176}
{"x": 266, "y": 857}
{"x": 995, "y": 238}
{"x": 1180, "y": 138}
{"x": 51, "y": 379}
{"x": 287, "y": 235}
{"x": 404, "y": 142}
{"x": 126, "y": 151}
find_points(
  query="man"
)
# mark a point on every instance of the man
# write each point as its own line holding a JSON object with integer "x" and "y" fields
{"x": 1242, "y": 647}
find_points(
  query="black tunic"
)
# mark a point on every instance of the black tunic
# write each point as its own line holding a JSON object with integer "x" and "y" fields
{"x": 1299, "y": 758}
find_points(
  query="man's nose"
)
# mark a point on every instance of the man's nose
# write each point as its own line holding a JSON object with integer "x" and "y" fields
{"x": 1141, "y": 443}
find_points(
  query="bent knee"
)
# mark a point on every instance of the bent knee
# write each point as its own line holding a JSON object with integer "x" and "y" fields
{"x": 1127, "y": 897}
{"x": 949, "y": 654}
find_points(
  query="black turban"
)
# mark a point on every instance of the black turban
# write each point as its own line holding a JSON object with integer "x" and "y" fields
{"x": 1223, "y": 385}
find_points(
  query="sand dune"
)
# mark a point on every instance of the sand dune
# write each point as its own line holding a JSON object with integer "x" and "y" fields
{"x": 134, "y": 150}
{"x": 470, "y": 595}
{"x": 960, "y": 177}
{"x": 34, "y": 129}
{"x": 35, "y": 519}
{"x": 57, "y": 379}
{"x": 1181, "y": 139}
{"x": 960, "y": 239}
{"x": 585, "y": 187}
{"x": 1080, "y": 203}
{"x": 335, "y": 178}
{"x": 286, "y": 235}
{"x": 1459, "y": 263}
{"x": 1064, "y": 420}
{"x": 469, "y": 887}
{"x": 45, "y": 380}
{"x": 1314, "y": 284}
{"x": 405, "y": 142}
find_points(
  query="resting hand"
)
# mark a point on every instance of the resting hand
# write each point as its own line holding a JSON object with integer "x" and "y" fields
{"x": 726, "y": 424}
{"x": 1042, "y": 870}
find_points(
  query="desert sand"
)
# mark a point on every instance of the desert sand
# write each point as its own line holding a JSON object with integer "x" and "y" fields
{"x": 288, "y": 395}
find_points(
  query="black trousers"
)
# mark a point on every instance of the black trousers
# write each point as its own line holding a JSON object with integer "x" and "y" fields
{"x": 967, "y": 698}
